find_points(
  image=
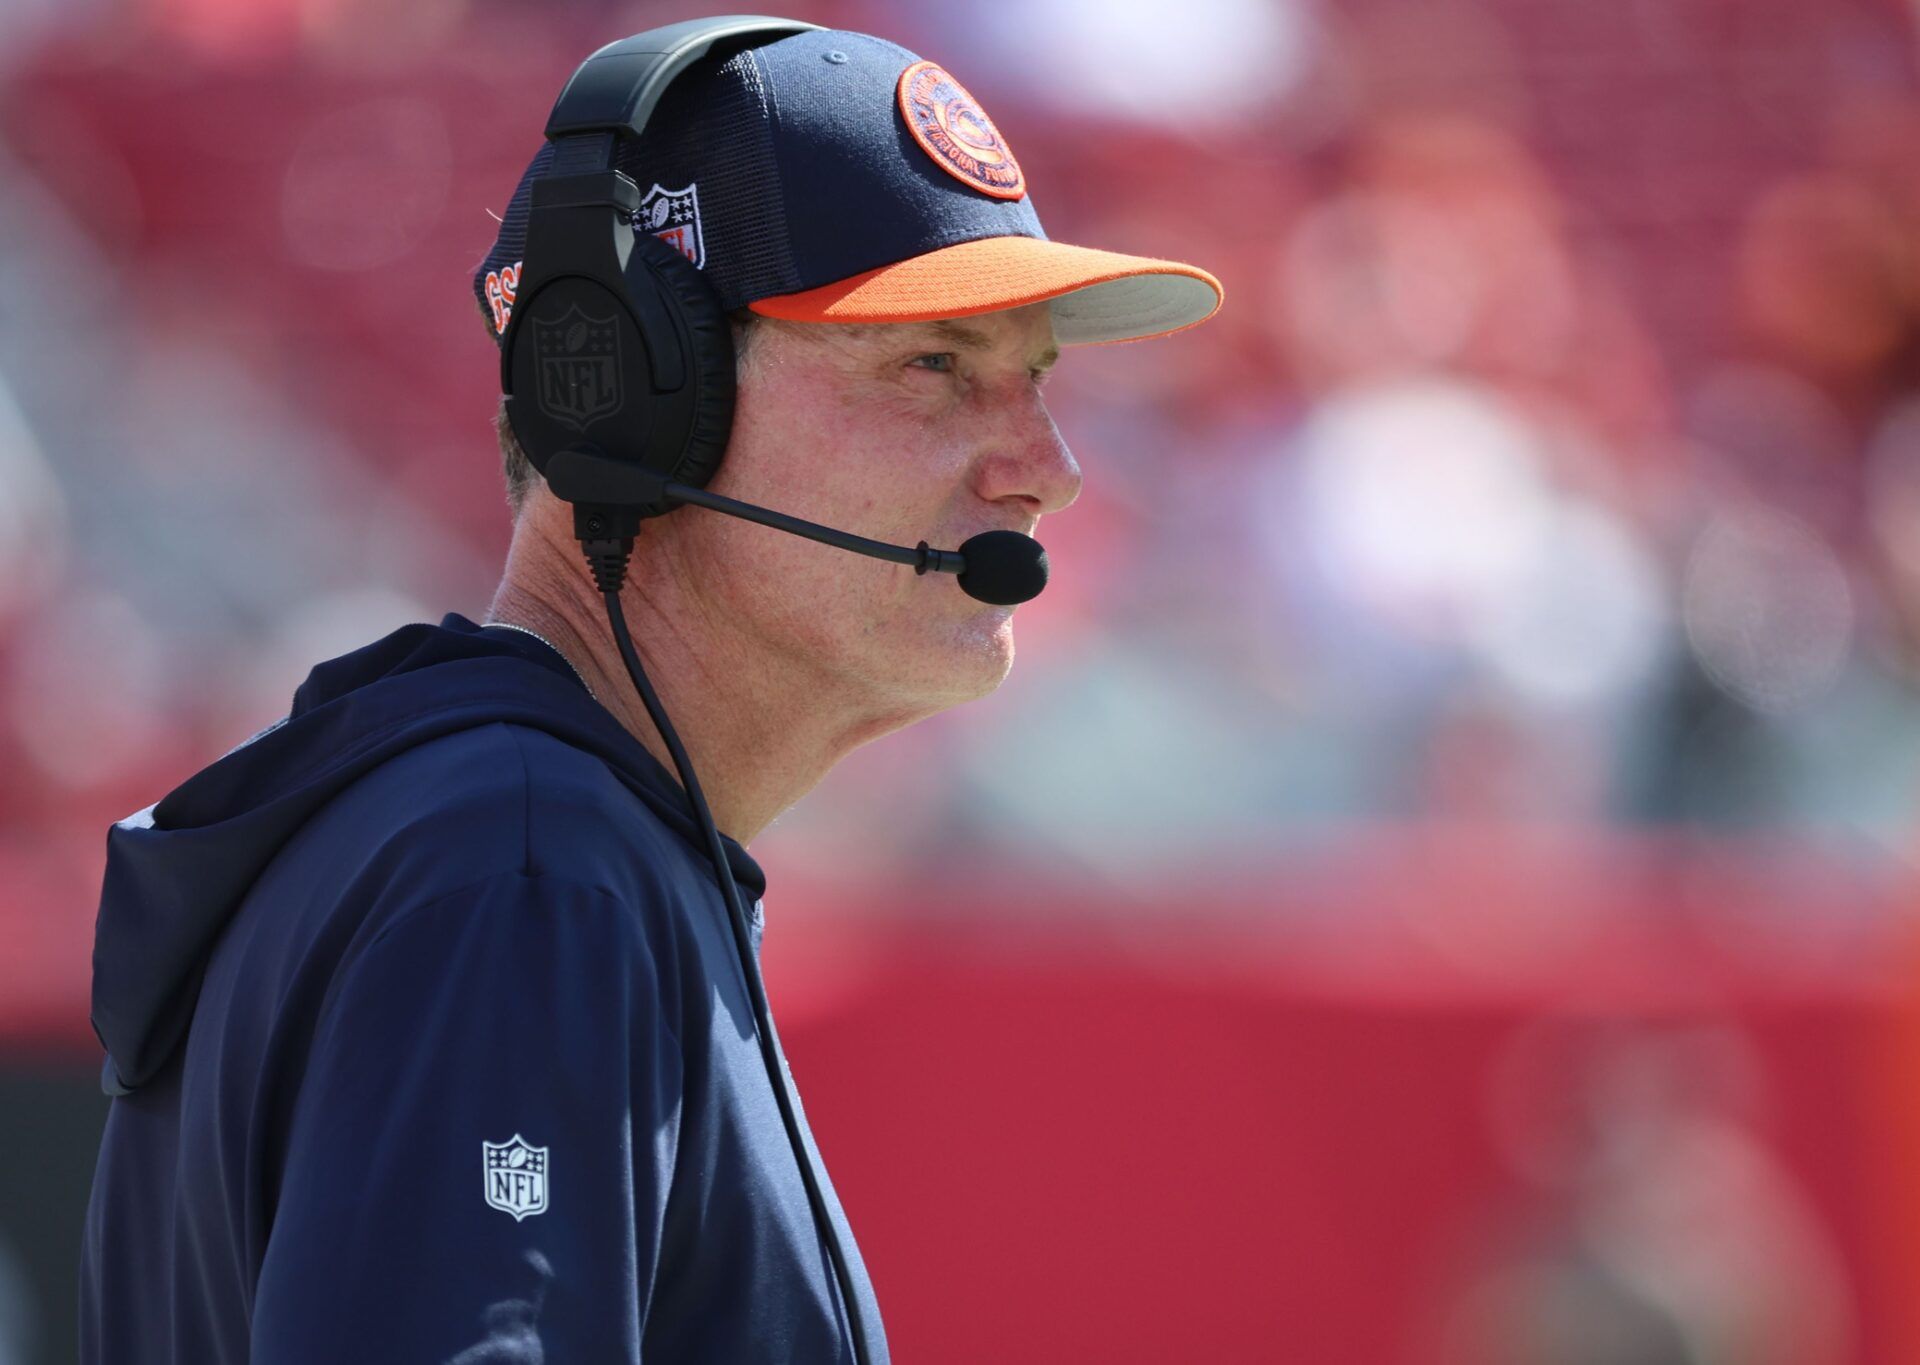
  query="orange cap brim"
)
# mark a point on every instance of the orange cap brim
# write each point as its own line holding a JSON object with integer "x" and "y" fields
{"x": 1096, "y": 295}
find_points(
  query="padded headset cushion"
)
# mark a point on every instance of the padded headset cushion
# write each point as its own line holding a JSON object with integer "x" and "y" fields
{"x": 709, "y": 339}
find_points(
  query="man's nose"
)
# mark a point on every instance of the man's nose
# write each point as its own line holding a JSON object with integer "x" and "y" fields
{"x": 1029, "y": 462}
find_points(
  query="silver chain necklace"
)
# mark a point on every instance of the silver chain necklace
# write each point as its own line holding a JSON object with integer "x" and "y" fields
{"x": 508, "y": 625}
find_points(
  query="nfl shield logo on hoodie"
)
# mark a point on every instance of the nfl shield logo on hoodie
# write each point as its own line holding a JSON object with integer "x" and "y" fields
{"x": 516, "y": 1176}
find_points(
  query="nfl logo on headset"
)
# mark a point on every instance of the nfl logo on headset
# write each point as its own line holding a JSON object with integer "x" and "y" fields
{"x": 674, "y": 217}
{"x": 516, "y": 1176}
{"x": 579, "y": 366}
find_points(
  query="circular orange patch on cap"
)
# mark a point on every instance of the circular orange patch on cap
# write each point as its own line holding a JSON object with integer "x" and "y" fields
{"x": 954, "y": 130}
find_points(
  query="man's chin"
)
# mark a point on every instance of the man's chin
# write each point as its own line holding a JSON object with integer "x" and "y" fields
{"x": 987, "y": 651}
{"x": 947, "y": 663}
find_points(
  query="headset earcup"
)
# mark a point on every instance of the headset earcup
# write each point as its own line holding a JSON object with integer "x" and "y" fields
{"x": 709, "y": 354}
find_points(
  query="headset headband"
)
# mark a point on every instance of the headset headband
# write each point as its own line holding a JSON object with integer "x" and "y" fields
{"x": 616, "y": 89}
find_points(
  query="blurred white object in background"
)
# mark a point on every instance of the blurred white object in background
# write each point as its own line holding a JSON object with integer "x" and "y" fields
{"x": 1206, "y": 61}
{"x": 1768, "y": 609}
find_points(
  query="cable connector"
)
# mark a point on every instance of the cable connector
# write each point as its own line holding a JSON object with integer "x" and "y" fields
{"x": 607, "y": 561}
{"x": 606, "y": 536}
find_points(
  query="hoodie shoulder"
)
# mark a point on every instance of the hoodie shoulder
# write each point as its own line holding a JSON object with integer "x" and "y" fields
{"x": 427, "y": 761}
{"x": 504, "y": 798}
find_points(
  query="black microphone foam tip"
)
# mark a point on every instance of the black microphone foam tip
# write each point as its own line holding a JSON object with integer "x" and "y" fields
{"x": 1003, "y": 567}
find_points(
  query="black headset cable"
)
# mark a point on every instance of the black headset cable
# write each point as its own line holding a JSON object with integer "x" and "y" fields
{"x": 608, "y": 561}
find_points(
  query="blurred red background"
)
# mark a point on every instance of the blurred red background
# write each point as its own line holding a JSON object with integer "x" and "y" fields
{"x": 1437, "y": 886}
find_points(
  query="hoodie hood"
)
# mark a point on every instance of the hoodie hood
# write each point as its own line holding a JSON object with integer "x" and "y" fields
{"x": 177, "y": 871}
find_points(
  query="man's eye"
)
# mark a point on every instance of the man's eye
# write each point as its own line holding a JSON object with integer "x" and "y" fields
{"x": 939, "y": 361}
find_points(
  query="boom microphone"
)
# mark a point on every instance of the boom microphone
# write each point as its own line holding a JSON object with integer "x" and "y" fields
{"x": 1004, "y": 568}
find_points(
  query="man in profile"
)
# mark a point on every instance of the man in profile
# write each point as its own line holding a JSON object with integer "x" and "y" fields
{"x": 426, "y": 1031}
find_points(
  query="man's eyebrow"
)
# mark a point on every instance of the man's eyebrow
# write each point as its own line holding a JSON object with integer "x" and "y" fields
{"x": 973, "y": 339}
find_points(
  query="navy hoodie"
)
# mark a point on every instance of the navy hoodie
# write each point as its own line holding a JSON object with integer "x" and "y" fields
{"x": 429, "y": 1041}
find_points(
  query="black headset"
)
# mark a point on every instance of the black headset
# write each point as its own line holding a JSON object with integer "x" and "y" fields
{"x": 617, "y": 367}
{"x": 617, "y": 345}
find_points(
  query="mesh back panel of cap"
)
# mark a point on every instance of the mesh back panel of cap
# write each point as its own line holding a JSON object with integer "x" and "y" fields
{"x": 710, "y": 130}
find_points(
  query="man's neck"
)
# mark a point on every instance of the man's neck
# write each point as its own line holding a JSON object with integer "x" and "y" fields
{"x": 759, "y": 737}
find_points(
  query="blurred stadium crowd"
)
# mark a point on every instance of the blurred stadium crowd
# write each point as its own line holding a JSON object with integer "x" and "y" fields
{"x": 1553, "y": 468}
{"x": 1555, "y": 459}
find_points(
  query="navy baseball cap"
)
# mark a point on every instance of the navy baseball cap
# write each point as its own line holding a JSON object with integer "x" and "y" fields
{"x": 837, "y": 177}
